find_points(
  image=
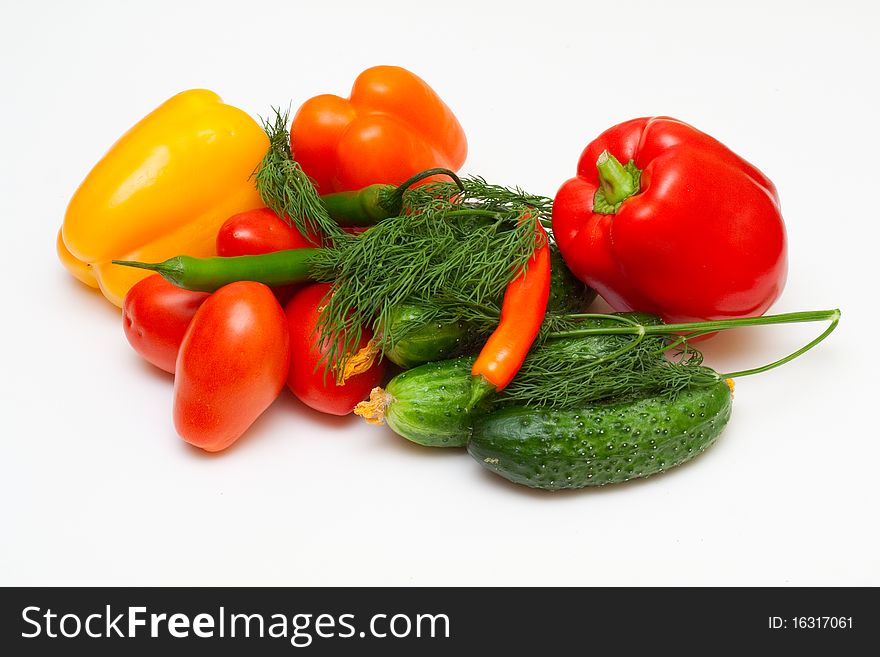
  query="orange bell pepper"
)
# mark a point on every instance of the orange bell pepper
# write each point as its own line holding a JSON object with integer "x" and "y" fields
{"x": 392, "y": 126}
{"x": 163, "y": 189}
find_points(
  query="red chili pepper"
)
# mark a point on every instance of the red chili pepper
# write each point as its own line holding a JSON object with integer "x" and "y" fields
{"x": 522, "y": 311}
{"x": 687, "y": 229}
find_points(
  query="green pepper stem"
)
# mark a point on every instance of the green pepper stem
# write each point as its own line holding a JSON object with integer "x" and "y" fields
{"x": 616, "y": 181}
{"x": 480, "y": 390}
{"x": 694, "y": 329}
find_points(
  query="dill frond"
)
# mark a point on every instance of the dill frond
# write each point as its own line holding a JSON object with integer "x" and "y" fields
{"x": 451, "y": 251}
{"x": 287, "y": 189}
{"x": 572, "y": 372}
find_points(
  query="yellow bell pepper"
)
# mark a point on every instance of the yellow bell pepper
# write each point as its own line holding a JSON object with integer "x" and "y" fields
{"x": 163, "y": 189}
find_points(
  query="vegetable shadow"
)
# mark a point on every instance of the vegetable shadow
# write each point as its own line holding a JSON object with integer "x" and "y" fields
{"x": 390, "y": 441}
{"x": 89, "y": 297}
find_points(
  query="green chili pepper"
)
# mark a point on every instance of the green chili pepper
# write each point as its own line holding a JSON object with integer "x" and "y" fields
{"x": 209, "y": 274}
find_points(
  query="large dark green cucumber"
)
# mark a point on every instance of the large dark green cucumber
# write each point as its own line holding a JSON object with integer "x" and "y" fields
{"x": 427, "y": 404}
{"x": 602, "y": 443}
{"x": 424, "y": 340}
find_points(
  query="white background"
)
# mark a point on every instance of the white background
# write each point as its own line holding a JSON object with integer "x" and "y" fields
{"x": 96, "y": 488}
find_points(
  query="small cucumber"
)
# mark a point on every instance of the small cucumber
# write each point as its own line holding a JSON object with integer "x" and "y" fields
{"x": 428, "y": 342}
{"x": 426, "y": 404}
{"x": 602, "y": 443}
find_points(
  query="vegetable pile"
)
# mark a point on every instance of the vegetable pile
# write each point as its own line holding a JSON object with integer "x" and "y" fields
{"x": 340, "y": 253}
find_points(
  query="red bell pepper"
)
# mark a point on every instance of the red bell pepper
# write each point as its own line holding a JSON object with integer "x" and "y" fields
{"x": 686, "y": 229}
{"x": 391, "y": 127}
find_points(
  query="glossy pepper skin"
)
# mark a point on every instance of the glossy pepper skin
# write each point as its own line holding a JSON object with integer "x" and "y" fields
{"x": 522, "y": 313}
{"x": 392, "y": 126}
{"x": 163, "y": 189}
{"x": 700, "y": 237}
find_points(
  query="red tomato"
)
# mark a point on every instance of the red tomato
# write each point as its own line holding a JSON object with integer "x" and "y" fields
{"x": 257, "y": 231}
{"x": 309, "y": 383}
{"x": 232, "y": 364}
{"x": 260, "y": 231}
{"x": 155, "y": 315}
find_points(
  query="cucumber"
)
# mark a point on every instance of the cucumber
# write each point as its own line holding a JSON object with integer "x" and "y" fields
{"x": 427, "y": 404}
{"x": 567, "y": 293}
{"x": 423, "y": 340}
{"x": 602, "y": 443}
{"x": 428, "y": 342}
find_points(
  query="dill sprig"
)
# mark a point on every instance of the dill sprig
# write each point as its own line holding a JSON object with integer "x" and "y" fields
{"x": 450, "y": 250}
{"x": 287, "y": 189}
{"x": 571, "y": 372}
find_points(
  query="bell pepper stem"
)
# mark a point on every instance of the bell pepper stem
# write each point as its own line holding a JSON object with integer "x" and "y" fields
{"x": 616, "y": 181}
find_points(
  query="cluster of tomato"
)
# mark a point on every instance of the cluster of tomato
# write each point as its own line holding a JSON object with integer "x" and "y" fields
{"x": 231, "y": 352}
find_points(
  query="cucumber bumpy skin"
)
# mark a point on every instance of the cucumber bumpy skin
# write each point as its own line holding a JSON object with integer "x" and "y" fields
{"x": 427, "y": 404}
{"x": 603, "y": 443}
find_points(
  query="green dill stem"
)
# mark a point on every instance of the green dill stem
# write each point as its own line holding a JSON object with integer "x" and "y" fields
{"x": 782, "y": 361}
{"x": 707, "y": 326}
{"x": 701, "y": 328}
